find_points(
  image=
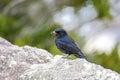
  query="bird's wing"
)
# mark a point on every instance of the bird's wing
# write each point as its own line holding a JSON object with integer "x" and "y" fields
{"x": 69, "y": 46}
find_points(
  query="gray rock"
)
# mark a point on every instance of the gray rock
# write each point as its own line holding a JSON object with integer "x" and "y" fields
{"x": 15, "y": 60}
{"x": 30, "y": 63}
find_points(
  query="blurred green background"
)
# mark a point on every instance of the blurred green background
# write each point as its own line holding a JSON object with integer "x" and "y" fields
{"x": 30, "y": 22}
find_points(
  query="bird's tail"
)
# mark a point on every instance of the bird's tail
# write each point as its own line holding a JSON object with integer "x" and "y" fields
{"x": 81, "y": 55}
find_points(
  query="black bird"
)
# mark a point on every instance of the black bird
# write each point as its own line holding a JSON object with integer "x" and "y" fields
{"x": 67, "y": 45}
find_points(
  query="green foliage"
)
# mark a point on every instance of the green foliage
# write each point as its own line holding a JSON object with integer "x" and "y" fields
{"x": 102, "y": 7}
{"x": 76, "y": 3}
{"x": 9, "y": 28}
{"x": 108, "y": 61}
{"x": 4, "y": 2}
{"x": 42, "y": 38}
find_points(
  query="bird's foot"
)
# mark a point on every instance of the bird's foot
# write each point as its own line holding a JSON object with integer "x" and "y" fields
{"x": 66, "y": 57}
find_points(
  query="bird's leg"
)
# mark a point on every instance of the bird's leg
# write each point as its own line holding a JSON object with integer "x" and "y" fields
{"x": 66, "y": 56}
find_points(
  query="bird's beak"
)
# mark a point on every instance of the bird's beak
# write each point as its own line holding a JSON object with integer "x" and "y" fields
{"x": 54, "y": 33}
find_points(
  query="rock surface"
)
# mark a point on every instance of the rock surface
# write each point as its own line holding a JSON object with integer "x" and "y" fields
{"x": 30, "y": 63}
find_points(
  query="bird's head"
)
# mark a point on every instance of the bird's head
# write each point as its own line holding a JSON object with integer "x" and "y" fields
{"x": 59, "y": 33}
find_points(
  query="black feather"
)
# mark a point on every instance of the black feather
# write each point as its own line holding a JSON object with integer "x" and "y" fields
{"x": 65, "y": 44}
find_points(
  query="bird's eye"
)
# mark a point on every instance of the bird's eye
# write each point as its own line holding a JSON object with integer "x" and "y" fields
{"x": 58, "y": 32}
